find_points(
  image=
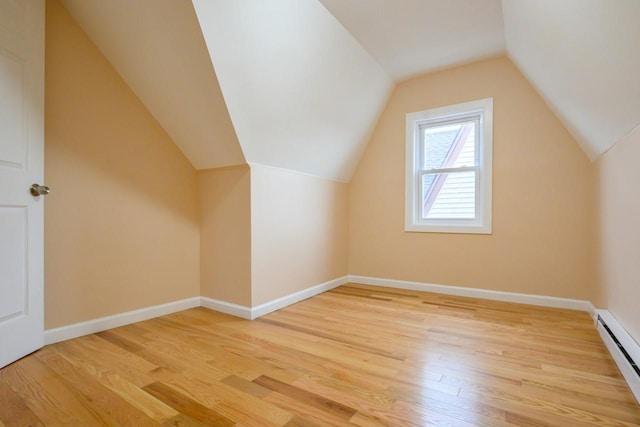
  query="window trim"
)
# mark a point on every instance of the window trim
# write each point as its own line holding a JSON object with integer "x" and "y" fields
{"x": 482, "y": 224}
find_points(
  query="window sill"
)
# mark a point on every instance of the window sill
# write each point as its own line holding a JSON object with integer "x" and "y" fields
{"x": 450, "y": 228}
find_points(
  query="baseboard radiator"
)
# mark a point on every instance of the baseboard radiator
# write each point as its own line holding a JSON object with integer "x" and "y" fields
{"x": 623, "y": 348}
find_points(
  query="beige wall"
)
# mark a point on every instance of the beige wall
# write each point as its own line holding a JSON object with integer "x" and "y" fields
{"x": 299, "y": 232}
{"x": 122, "y": 222}
{"x": 122, "y": 228}
{"x": 225, "y": 234}
{"x": 618, "y": 208}
{"x": 542, "y": 195}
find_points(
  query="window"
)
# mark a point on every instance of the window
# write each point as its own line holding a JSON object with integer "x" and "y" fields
{"x": 448, "y": 182}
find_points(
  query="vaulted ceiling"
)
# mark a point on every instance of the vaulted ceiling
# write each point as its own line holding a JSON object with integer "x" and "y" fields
{"x": 157, "y": 48}
{"x": 411, "y": 37}
{"x": 583, "y": 57}
{"x": 301, "y": 91}
{"x": 299, "y": 84}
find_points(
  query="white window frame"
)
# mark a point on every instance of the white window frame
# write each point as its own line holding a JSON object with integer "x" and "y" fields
{"x": 482, "y": 110}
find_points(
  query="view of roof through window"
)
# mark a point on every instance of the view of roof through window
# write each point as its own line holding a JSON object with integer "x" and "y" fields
{"x": 451, "y": 194}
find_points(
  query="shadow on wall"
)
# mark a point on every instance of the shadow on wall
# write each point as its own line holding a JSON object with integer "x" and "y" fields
{"x": 121, "y": 223}
{"x": 100, "y": 129}
{"x": 618, "y": 232}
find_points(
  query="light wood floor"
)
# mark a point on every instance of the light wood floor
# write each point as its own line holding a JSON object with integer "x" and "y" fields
{"x": 356, "y": 355}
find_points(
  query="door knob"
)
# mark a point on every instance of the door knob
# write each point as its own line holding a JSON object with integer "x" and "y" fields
{"x": 39, "y": 190}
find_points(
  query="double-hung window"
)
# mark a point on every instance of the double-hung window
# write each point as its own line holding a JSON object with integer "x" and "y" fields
{"x": 448, "y": 169}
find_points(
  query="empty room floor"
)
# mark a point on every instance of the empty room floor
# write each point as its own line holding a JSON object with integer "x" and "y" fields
{"x": 356, "y": 355}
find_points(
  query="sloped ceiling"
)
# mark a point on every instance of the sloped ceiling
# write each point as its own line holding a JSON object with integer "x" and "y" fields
{"x": 301, "y": 91}
{"x": 583, "y": 57}
{"x": 412, "y": 37}
{"x": 302, "y": 82}
{"x": 158, "y": 49}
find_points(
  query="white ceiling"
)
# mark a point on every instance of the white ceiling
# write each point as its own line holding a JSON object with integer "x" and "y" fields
{"x": 302, "y": 82}
{"x": 583, "y": 57}
{"x": 158, "y": 49}
{"x": 412, "y": 37}
{"x": 301, "y": 92}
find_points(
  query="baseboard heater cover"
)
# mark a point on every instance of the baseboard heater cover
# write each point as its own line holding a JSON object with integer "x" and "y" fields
{"x": 623, "y": 348}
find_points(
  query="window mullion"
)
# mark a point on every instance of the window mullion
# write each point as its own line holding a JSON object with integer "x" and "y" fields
{"x": 447, "y": 170}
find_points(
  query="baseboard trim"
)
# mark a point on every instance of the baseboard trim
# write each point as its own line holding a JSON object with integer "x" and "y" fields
{"x": 287, "y": 300}
{"x": 628, "y": 343}
{"x": 245, "y": 312}
{"x": 76, "y": 330}
{"x": 237, "y": 310}
{"x": 539, "y": 300}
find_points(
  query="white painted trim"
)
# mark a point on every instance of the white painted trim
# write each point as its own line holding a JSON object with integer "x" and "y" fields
{"x": 630, "y": 346}
{"x": 76, "y": 330}
{"x": 481, "y": 110}
{"x": 237, "y": 310}
{"x": 287, "y": 300}
{"x": 97, "y": 325}
{"x": 540, "y": 300}
{"x": 593, "y": 312}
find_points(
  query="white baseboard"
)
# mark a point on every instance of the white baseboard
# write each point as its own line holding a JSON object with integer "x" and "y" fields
{"x": 97, "y": 325}
{"x": 237, "y": 310}
{"x": 279, "y": 303}
{"x": 628, "y": 343}
{"x": 76, "y": 330}
{"x": 540, "y": 300}
{"x": 252, "y": 313}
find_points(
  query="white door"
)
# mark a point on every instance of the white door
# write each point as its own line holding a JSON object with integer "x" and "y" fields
{"x": 21, "y": 165}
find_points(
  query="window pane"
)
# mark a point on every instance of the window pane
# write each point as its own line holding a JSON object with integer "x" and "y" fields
{"x": 450, "y": 145}
{"x": 449, "y": 195}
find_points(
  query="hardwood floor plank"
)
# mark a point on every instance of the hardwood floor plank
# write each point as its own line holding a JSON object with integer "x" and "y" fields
{"x": 392, "y": 418}
{"x": 298, "y": 363}
{"x": 325, "y": 349}
{"x": 186, "y": 406}
{"x": 306, "y": 397}
{"x": 245, "y": 386}
{"x": 96, "y": 352}
{"x": 179, "y": 357}
{"x": 350, "y": 395}
{"x": 456, "y": 407}
{"x": 522, "y": 421}
{"x": 182, "y": 420}
{"x": 367, "y": 420}
{"x": 50, "y": 399}
{"x": 127, "y": 390}
{"x": 299, "y": 422}
{"x": 426, "y": 416}
{"x": 302, "y": 411}
{"x": 543, "y": 410}
{"x": 588, "y": 395}
{"x": 230, "y": 402}
{"x": 199, "y": 348}
{"x": 123, "y": 343}
{"x": 101, "y": 397}
{"x": 14, "y": 410}
{"x": 355, "y": 355}
{"x": 318, "y": 333}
